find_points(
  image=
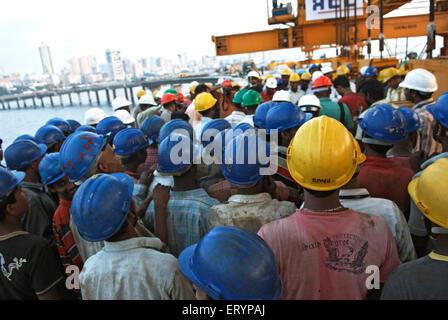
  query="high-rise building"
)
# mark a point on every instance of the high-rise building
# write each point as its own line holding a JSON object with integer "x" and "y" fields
{"x": 117, "y": 66}
{"x": 45, "y": 58}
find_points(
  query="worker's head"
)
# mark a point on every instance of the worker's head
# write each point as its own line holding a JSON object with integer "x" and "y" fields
{"x": 371, "y": 90}
{"x": 146, "y": 101}
{"x": 251, "y": 100}
{"x": 121, "y": 103}
{"x": 323, "y": 156}
{"x": 54, "y": 178}
{"x": 238, "y": 99}
{"x": 419, "y": 85}
{"x": 341, "y": 84}
{"x": 260, "y": 114}
{"x": 271, "y": 85}
{"x": 252, "y": 77}
{"x": 313, "y": 68}
{"x": 51, "y": 136}
{"x": 321, "y": 87}
{"x": 25, "y": 155}
{"x": 130, "y": 145}
{"x": 382, "y": 126}
{"x": 413, "y": 123}
{"x": 169, "y": 102}
{"x": 206, "y": 105}
{"x": 309, "y": 103}
{"x": 428, "y": 191}
{"x": 13, "y": 199}
{"x": 294, "y": 81}
{"x": 151, "y": 127}
{"x": 285, "y": 76}
{"x": 96, "y": 214}
{"x": 439, "y": 111}
{"x": 286, "y": 118}
{"x": 389, "y": 77}
{"x": 110, "y": 126}
{"x": 231, "y": 263}
{"x": 85, "y": 153}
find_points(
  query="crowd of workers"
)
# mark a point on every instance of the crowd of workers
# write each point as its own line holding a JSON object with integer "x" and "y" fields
{"x": 288, "y": 188}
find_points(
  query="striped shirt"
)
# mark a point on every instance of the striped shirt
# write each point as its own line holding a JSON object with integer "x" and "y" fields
{"x": 187, "y": 218}
{"x": 425, "y": 139}
{"x": 284, "y": 176}
{"x": 151, "y": 159}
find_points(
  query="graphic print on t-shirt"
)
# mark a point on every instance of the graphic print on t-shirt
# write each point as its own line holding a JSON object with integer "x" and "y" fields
{"x": 346, "y": 252}
{"x": 16, "y": 264}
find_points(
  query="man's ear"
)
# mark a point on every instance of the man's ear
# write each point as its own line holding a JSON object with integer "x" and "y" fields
{"x": 102, "y": 166}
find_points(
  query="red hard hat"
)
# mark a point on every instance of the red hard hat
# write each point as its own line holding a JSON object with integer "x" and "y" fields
{"x": 180, "y": 96}
{"x": 168, "y": 97}
{"x": 227, "y": 83}
{"x": 321, "y": 81}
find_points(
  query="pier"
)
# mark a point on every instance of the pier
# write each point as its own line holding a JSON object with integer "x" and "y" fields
{"x": 29, "y": 100}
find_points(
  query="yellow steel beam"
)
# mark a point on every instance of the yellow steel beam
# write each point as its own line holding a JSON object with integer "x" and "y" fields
{"x": 309, "y": 35}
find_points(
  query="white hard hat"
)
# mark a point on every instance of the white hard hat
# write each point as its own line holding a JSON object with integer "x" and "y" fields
{"x": 253, "y": 74}
{"x": 309, "y": 100}
{"x": 326, "y": 69}
{"x": 124, "y": 116}
{"x": 147, "y": 99}
{"x": 281, "y": 95}
{"x": 120, "y": 102}
{"x": 94, "y": 115}
{"x": 316, "y": 74}
{"x": 363, "y": 70}
{"x": 220, "y": 81}
{"x": 271, "y": 83}
{"x": 420, "y": 80}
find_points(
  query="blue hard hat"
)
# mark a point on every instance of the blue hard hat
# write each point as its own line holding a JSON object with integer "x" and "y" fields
{"x": 301, "y": 71}
{"x": 130, "y": 140}
{"x": 350, "y": 68}
{"x": 73, "y": 124}
{"x": 211, "y": 128}
{"x": 9, "y": 180}
{"x": 25, "y": 137}
{"x": 176, "y": 124}
{"x": 79, "y": 152}
{"x": 151, "y": 127}
{"x": 439, "y": 110}
{"x": 280, "y": 82}
{"x": 61, "y": 124}
{"x": 370, "y": 72}
{"x": 171, "y": 162}
{"x": 49, "y": 134}
{"x": 86, "y": 128}
{"x": 110, "y": 125}
{"x": 231, "y": 263}
{"x": 21, "y": 153}
{"x": 96, "y": 214}
{"x": 260, "y": 114}
{"x": 49, "y": 169}
{"x": 384, "y": 123}
{"x": 242, "y": 163}
{"x": 285, "y": 115}
{"x": 413, "y": 121}
{"x": 313, "y": 66}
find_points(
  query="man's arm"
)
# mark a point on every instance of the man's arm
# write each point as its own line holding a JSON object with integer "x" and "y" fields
{"x": 161, "y": 196}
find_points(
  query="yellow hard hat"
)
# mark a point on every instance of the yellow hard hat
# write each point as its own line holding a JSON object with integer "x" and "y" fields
{"x": 154, "y": 94}
{"x": 268, "y": 77}
{"x": 387, "y": 74}
{"x": 323, "y": 155}
{"x": 235, "y": 84}
{"x": 208, "y": 84}
{"x": 286, "y": 72}
{"x": 192, "y": 88}
{"x": 204, "y": 101}
{"x": 342, "y": 70}
{"x": 429, "y": 192}
{"x": 140, "y": 93}
{"x": 306, "y": 76}
{"x": 294, "y": 77}
{"x": 403, "y": 70}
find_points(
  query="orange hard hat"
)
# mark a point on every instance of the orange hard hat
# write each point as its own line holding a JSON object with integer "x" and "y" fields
{"x": 227, "y": 83}
{"x": 180, "y": 96}
{"x": 168, "y": 97}
{"x": 321, "y": 81}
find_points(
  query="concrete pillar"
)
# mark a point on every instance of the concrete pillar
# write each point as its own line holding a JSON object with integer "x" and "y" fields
{"x": 70, "y": 98}
{"x": 60, "y": 100}
{"x": 97, "y": 97}
{"x": 51, "y": 101}
{"x": 79, "y": 98}
{"x": 114, "y": 93}
{"x": 42, "y": 102}
{"x": 3, "y": 105}
{"x": 90, "y": 98}
{"x": 126, "y": 93}
{"x": 18, "y": 103}
{"x": 108, "y": 97}
{"x": 132, "y": 95}
{"x": 24, "y": 103}
{"x": 9, "y": 106}
{"x": 34, "y": 102}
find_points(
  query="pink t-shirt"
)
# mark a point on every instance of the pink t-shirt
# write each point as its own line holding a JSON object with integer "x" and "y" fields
{"x": 324, "y": 255}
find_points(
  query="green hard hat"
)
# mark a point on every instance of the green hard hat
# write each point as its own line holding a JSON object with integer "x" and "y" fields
{"x": 171, "y": 91}
{"x": 251, "y": 98}
{"x": 238, "y": 98}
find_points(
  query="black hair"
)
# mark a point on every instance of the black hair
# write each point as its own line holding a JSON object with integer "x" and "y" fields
{"x": 119, "y": 233}
{"x": 133, "y": 156}
{"x": 205, "y": 112}
{"x": 378, "y": 148}
{"x": 423, "y": 95}
{"x": 372, "y": 87}
{"x": 238, "y": 105}
{"x": 200, "y": 88}
{"x": 180, "y": 115}
{"x": 321, "y": 194}
{"x": 341, "y": 81}
{"x": 9, "y": 199}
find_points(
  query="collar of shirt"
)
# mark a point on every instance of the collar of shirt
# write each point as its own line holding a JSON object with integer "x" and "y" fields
{"x": 423, "y": 103}
{"x": 250, "y": 198}
{"x": 33, "y": 185}
{"x": 385, "y": 163}
{"x": 238, "y": 113}
{"x": 133, "y": 243}
{"x": 65, "y": 203}
{"x": 325, "y": 99}
{"x": 357, "y": 193}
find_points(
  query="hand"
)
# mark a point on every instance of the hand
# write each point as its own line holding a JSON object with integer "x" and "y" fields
{"x": 147, "y": 176}
{"x": 161, "y": 194}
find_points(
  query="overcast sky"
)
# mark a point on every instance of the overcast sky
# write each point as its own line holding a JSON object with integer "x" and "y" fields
{"x": 138, "y": 28}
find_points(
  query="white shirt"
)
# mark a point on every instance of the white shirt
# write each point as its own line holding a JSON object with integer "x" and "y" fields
{"x": 249, "y": 211}
{"x": 295, "y": 96}
{"x": 86, "y": 248}
{"x": 360, "y": 200}
{"x": 133, "y": 269}
{"x": 248, "y": 119}
{"x": 235, "y": 117}
{"x": 195, "y": 117}
{"x": 198, "y": 129}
